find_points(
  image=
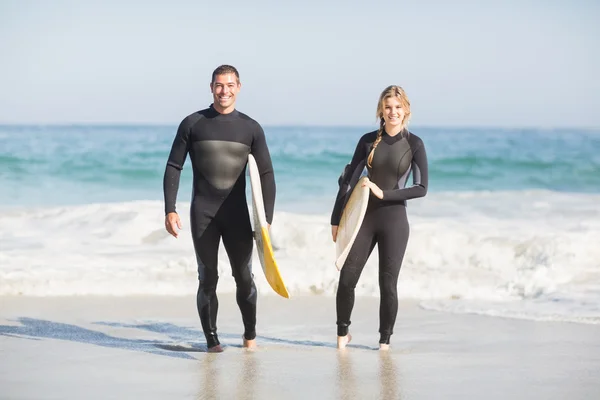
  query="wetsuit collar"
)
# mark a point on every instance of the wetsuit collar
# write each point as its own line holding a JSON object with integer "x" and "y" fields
{"x": 393, "y": 139}
{"x": 216, "y": 114}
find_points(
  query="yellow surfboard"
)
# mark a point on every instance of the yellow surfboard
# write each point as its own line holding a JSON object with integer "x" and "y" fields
{"x": 261, "y": 233}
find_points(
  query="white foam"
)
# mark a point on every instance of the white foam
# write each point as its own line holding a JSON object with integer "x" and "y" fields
{"x": 554, "y": 309}
{"x": 468, "y": 252}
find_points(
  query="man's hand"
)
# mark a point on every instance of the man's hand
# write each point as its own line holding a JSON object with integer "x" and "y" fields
{"x": 173, "y": 223}
{"x": 334, "y": 229}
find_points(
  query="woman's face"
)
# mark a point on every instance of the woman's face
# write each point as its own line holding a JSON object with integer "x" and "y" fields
{"x": 393, "y": 113}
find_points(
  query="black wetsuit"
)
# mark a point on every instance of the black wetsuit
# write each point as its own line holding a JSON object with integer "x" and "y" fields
{"x": 219, "y": 145}
{"x": 385, "y": 222}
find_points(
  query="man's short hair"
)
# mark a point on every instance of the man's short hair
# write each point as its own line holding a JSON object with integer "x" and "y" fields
{"x": 225, "y": 69}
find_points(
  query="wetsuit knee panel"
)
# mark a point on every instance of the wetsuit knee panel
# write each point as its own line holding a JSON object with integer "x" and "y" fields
{"x": 208, "y": 287}
{"x": 209, "y": 276}
{"x": 243, "y": 276}
{"x": 247, "y": 294}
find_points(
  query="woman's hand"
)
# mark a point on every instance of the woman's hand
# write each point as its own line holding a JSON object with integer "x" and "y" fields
{"x": 374, "y": 188}
{"x": 334, "y": 229}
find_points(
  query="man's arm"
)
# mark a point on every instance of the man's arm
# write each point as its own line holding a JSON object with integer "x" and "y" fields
{"x": 260, "y": 151}
{"x": 175, "y": 162}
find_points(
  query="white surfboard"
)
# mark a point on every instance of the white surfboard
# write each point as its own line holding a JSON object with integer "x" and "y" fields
{"x": 261, "y": 233}
{"x": 351, "y": 221}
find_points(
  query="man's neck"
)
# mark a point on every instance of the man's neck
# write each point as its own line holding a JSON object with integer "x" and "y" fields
{"x": 221, "y": 110}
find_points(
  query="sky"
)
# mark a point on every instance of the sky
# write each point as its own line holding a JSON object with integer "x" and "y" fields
{"x": 502, "y": 63}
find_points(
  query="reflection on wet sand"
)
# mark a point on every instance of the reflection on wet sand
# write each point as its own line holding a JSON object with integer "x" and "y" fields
{"x": 249, "y": 376}
{"x": 242, "y": 377}
{"x": 353, "y": 385}
{"x": 209, "y": 382}
{"x": 346, "y": 381}
{"x": 388, "y": 376}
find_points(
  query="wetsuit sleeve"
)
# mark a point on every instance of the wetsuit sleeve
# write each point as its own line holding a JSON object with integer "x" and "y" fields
{"x": 344, "y": 182}
{"x": 420, "y": 179}
{"x": 260, "y": 151}
{"x": 179, "y": 151}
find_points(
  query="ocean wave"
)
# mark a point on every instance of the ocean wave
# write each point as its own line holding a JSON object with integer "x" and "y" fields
{"x": 458, "y": 251}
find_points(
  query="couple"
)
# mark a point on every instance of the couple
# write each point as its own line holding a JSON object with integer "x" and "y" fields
{"x": 219, "y": 139}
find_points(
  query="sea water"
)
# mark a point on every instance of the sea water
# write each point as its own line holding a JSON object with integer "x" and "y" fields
{"x": 510, "y": 226}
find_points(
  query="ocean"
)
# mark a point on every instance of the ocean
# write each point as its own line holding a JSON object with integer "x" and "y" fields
{"x": 510, "y": 226}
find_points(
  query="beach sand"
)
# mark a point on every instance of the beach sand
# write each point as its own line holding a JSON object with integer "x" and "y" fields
{"x": 152, "y": 348}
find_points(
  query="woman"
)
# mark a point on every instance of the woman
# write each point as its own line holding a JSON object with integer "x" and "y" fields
{"x": 389, "y": 155}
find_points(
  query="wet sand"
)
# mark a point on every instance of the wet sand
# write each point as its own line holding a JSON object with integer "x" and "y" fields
{"x": 153, "y": 348}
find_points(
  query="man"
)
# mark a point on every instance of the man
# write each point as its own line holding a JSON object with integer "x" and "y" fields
{"x": 218, "y": 140}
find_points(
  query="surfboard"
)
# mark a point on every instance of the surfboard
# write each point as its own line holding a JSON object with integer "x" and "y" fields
{"x": 351, "y": 220}
{"x": 261, "y": 233}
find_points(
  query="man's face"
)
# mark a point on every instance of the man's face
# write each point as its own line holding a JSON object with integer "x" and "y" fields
{"x": 225, "y": 89}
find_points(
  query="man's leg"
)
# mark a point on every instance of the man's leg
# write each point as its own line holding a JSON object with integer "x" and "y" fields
{"x": 207, "y": 251}
{"x": 238, "y": 242}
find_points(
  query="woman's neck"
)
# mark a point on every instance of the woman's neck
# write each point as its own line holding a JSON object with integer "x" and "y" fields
{"x": 394, "y": 130}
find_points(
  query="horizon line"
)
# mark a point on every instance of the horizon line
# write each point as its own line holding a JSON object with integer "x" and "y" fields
{"x": 291, "y": 125}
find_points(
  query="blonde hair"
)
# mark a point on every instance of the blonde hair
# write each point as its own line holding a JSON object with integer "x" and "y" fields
{"x": 390, "y": 91}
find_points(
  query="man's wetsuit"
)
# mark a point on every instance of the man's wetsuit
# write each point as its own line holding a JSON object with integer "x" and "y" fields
{"x": 218, "y": 145}
{"x": 385, "y": 222}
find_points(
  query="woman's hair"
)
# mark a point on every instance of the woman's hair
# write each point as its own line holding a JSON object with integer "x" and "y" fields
{"x": 390, "y": 91}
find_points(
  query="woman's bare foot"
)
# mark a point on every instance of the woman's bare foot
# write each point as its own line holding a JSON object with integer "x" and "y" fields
{"x": 215, "y": 349}
{"x": 342, "y": 341}
{"x": 384, "y": 346}
{"x": 248, "y": 344}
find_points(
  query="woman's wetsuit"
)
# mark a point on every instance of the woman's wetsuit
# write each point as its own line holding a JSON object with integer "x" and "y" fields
{"x": 385, "y": 222}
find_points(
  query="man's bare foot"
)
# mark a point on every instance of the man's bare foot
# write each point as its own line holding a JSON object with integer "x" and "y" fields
{"x": 249, "y": 344}
{"x": 342, "y": 341}
{"x": 384, "y": 346}
{"x": 215, "y": 349}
